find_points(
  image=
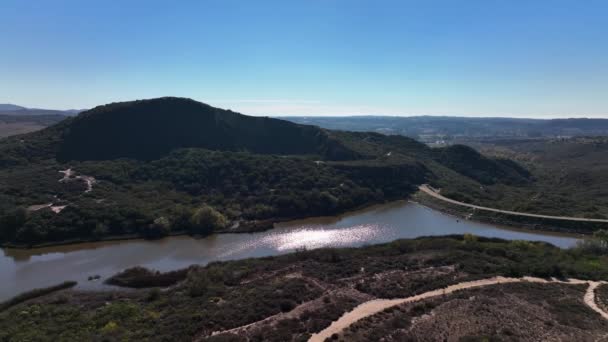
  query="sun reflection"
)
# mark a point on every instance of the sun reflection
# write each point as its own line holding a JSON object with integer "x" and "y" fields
{"x": 312, "y": 238}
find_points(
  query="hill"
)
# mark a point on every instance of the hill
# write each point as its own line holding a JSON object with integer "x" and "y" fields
{"x": 564, "y": 160}
{"x": 172, "y": 165}
{"x": 10, "y": 107}
{"x": 571, "y": 174}
{"x": 151, "y": 128}
{"x": 472, "y": 164}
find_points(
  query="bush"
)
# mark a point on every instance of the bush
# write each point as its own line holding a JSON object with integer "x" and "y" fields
{"x": 198, "y": 284}
{"x": 100, "y": 230}
{"x": 153, "y": 295}
{"x": 159, "y": 228}
{"x": 35, "y": 293}
{"x": 206, "y": 219}
{"x": 141, "y": 277}
{"x": 287, "y": 305}
{"x": 597, "y": 244}
{"x": 469, "y": 238}
{"x": 11, "y": 222}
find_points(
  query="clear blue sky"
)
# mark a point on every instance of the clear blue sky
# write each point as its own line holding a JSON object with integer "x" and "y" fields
{"x": 312, "y": 57}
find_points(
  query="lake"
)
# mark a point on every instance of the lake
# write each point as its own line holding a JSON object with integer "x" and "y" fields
{"x": 25, "y": 269}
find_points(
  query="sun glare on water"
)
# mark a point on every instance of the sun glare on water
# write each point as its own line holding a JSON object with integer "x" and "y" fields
{"x": 312, "y": 238}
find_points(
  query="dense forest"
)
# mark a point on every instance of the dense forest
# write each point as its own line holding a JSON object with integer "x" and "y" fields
{"x": 166, "y": 166}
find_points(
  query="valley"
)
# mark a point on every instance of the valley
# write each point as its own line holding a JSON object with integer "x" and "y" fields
{"x": 11, "y": 124}
{"x": 191, "y": 222}
{"x": 303, "y": 171}
{"x": 197, "y": 169}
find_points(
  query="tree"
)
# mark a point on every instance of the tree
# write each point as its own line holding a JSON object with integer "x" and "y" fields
{"x": 100, "y": 230}
{"x": 206, "y": 219}
{"x": 159, "y": 228}
{"x": 11, "y": 222}
{"x": 601, "y": 236}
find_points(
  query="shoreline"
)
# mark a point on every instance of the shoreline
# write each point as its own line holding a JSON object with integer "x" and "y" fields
{"x": 513, "y": 228}
{"x": 418, "y": 198}
{"x": 249, "y": 227}
{"x": 499, "y": 219}
{"x": 435, "y": 193}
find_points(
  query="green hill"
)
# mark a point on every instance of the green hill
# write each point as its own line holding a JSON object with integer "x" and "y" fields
{"x": 173, "y": 165}
{"x": 149, "y": 129}
{"x": 471, "y": 163}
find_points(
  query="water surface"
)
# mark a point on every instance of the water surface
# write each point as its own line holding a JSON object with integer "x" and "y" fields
{"x": 22, "y": 270}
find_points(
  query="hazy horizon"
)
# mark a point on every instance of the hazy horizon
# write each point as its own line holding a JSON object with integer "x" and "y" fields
{"x": 543, "y": 59}
{"x": 351, "y": 115}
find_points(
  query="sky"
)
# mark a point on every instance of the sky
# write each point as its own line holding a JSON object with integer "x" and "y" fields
{"x": 515, "y": 58}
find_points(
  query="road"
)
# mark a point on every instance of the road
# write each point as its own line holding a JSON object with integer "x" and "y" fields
{"x": 377, "y": 305}
{"x": 430, "y": 191}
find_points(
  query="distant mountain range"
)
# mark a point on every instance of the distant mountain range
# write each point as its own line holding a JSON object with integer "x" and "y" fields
{"x": 11, "y": 109}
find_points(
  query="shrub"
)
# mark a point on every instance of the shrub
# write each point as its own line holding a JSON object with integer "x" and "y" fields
{"x": 100, "y": 230}
{"x": 159, "y": 228}
{"x": 153, "y": 295}
{"x": 206, "y": 219}
{"x": 35, "y": 293}
{"x": 287, "y": 305}
{"x": 597, "y": 244}
{"x": 469, "y": 238}
{"x": 198, "y": 284}
{"x": 111, "y": 326}
{"x": 141, "y": 277}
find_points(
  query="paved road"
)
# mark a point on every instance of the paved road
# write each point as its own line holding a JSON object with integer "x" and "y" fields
{"x": 427, "y": 189}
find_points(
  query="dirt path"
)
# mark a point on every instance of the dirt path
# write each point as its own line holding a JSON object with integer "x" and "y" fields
{"x": 70, "y": 174}
{"x": 374, "y": 306}
{"x": 428, "y": 190}
{"x": 311, "y": 305}
{"x": 590, "y": 299}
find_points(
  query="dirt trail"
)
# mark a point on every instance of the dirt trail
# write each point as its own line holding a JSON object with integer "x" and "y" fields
{"x": 374, "y": 306}
{"x": 590, "y": 299}
{"x": 70, "y": 174}
{"x": 310, "y": 305}
{"x": 428, "y": 190}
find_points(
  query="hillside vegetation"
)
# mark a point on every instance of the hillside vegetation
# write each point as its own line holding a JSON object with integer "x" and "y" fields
{"x": 290, "y": 297}
{"x": 570, "y": 176}
{"x": 150, "y": 129}
{"x": 149, "y": 168}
